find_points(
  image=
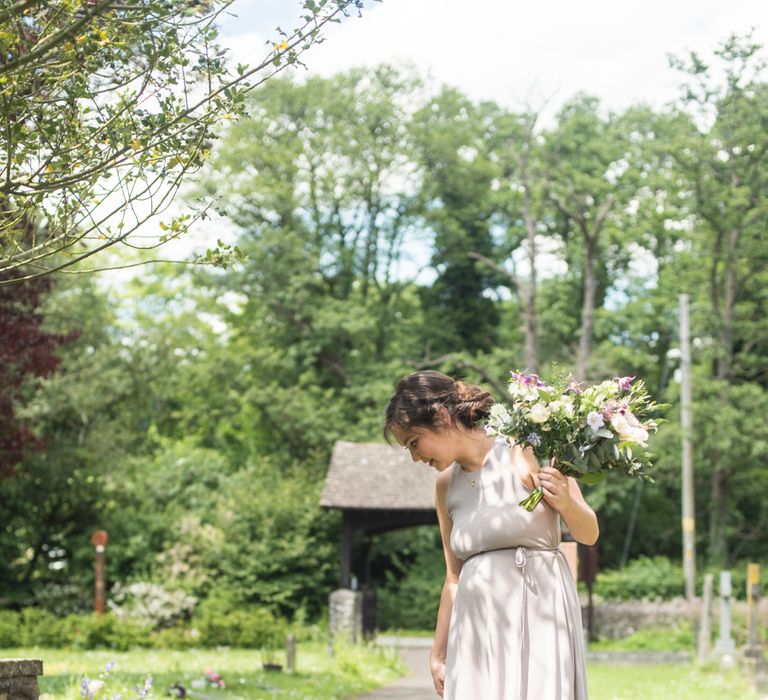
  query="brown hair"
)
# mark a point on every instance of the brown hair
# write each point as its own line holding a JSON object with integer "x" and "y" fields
{"x": 419, "y": 396}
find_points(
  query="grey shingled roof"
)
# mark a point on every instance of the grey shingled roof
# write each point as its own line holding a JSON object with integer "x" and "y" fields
{"x": 376, "y": 475}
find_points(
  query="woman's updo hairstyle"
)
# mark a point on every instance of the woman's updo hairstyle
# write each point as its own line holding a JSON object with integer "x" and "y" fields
{"x": 419, "y": 396}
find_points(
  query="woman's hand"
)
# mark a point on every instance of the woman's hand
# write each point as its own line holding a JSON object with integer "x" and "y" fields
{"x": 557, "y": 493}
{"x": 437, "y": 669}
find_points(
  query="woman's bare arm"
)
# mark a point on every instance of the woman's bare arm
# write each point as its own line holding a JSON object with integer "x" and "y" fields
{"x": 452, "y": 570}
{"x": 563, "y": 494}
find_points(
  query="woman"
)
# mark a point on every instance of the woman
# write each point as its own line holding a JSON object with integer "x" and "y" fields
{"x": 509, "y": 621}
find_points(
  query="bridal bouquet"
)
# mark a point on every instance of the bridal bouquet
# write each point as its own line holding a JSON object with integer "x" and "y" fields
{"x": 584, "y": 432}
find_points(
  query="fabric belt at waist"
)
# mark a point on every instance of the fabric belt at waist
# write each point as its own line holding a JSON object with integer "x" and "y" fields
{"x": 521, "y": 553}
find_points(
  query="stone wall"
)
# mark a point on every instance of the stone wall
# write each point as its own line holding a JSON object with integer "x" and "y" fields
{"x": 618, "y": 619}
{"x": 18, "y": 679}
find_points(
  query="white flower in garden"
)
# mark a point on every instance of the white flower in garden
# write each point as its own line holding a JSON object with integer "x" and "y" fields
{"x": 595, "y": 420}
{"x": 539, "y": 413}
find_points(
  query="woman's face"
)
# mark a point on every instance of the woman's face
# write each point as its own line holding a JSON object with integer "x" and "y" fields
{"x": 433, "y": 446}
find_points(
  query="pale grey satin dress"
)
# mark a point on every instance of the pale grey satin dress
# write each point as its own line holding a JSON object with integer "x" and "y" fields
{"x": 515, "y": 629}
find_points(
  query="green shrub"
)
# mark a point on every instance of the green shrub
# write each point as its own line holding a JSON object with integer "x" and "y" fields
{"x": 678, "y": 637}
{"x": 645, "y": 577}
{"x": 412, "y": 602}
{"x": 105, "y": 632}
{"x": 659, "y": 577}
{"x": 10, "y": 629}
{"x": 244, "y": 626}
{"x": 41, "y": 628}
{"x": 222, "y": 622}
{"x": 178, "y": 637}
{"x": 251, "y": 628}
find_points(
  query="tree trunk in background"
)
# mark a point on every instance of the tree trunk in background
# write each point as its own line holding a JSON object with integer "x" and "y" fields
{"x": 588, "y": 307}
{"x": 530, "y": 327}
{"x": 727, "y": 311}
{"x": 718, "y": 518}
{"x": 590, "y": 235}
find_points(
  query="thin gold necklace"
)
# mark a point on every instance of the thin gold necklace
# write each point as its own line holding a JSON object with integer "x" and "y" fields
{"x": 471, "y": 482}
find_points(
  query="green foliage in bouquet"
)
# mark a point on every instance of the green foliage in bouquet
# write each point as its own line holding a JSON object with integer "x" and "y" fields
{"x": 585, "y": 432}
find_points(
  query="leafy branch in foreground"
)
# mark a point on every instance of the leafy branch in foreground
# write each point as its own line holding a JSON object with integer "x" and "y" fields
{"x": 106, "y": 107}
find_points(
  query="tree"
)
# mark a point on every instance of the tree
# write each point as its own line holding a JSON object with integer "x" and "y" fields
{"x": 27, "y": 351}
{"x": 522, "y": 203}
{"x": 320, "y": 186}
{"x": 451, "y": 136}
{"x": 107, "y": 107}
{"x": 724, "y": 164}
{"x": 585, "y": 156}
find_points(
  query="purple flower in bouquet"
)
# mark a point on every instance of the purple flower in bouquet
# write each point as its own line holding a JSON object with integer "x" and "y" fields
{"x": 625, "y": 383}
{"x": 534, "y": 439}
{"x": 526, "y": 379}
{"x": 573, "y": 387}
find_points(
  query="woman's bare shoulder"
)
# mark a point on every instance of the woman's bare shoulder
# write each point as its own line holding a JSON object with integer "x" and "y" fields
{"x": 444, "y": 479}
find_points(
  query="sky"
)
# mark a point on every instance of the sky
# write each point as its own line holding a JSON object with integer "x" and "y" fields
{"x": 514, "y": 53}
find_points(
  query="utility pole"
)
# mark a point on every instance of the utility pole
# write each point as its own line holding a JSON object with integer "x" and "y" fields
{"x": 686, "y": 423}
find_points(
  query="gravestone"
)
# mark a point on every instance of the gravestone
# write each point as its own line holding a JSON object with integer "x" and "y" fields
{"x": 725, "y": 648}
{"x": 18, "y": 679}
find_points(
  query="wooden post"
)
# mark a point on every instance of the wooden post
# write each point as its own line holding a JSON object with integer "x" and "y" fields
{"x": 99, "y": 540}
{"x": 753, "y": 594}
{"x": 686, "y": 424}
{"x": 705, "y": 633}
{"x": 345, "y": 578}
{"x": 290, "y": 653}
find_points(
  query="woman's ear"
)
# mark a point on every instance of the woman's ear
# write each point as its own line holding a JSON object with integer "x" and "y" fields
{"x": 445, "y": 417}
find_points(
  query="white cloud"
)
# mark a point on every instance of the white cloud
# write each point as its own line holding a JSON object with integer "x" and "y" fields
{"x": 512, "y": 51}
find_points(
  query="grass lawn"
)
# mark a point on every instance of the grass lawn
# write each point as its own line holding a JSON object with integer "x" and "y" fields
{"x": 352, "y": 671}
{"x": 667, "y": 682}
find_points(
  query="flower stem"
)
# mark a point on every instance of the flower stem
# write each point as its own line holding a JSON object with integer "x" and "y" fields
{"x": 530, "y": 502}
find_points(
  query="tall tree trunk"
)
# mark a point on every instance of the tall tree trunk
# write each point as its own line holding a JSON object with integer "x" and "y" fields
{"x": 590, "y": 235}
{"x": 718, "y": 518}
{"x": 530, "y": 327}
{"x": 588, "y": 307}
{"x": 725, "y": 354}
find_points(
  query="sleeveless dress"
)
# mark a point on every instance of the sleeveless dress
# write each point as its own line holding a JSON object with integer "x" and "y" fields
{"x": 515, "y": 630}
